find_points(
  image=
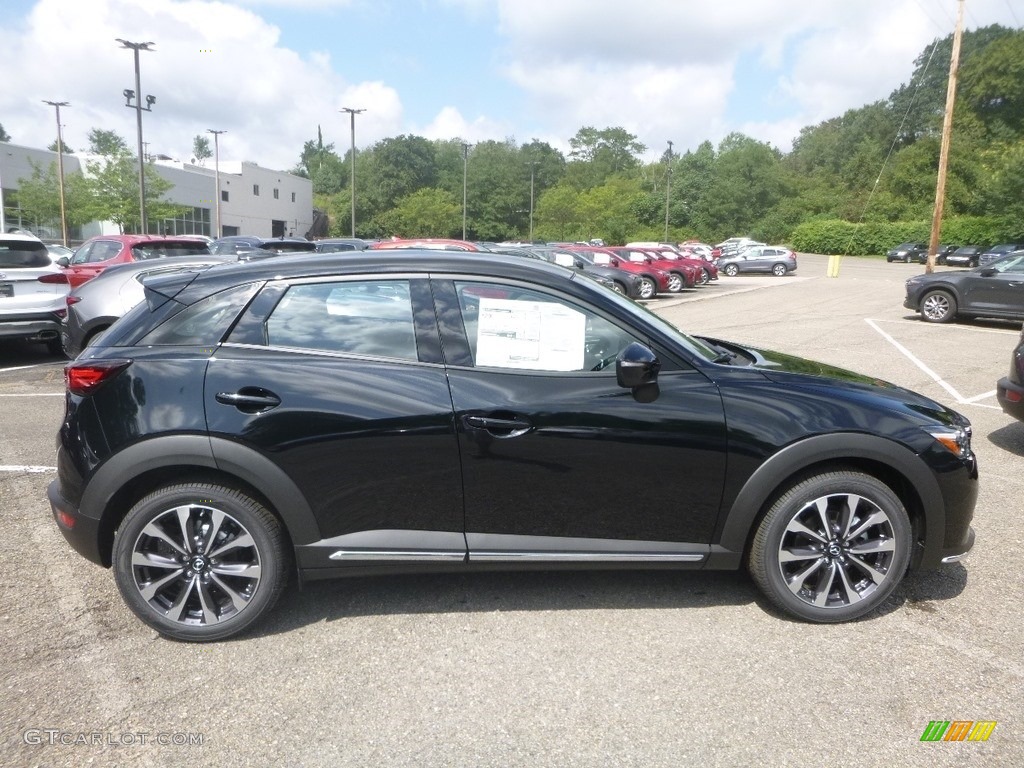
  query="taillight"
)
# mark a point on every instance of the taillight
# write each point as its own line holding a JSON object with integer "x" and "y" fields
{"x": 85, "y": 378}
{"x": 55, "y": 277}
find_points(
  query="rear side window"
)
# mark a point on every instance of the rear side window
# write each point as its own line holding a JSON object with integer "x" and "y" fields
{"x": 22, "y": 253}
{"x": 204, "y": 323}
{"x": 164, "y": 250}
{"x": 366, "y": 317}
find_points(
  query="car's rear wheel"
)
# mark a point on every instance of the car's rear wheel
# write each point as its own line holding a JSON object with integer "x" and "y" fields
{"x": 779, "y": 270}
{"x": 938, "y": 307}
{"x": 832, "y": 547}
{"x": 731, "y": 270}
{"x": 200, "y": 562}
{"x": 648, "y": 288}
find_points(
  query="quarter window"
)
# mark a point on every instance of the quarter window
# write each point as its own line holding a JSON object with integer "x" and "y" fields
{"x": 366, "y": 317}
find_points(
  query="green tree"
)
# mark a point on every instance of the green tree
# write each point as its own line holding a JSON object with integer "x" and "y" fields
{"x": 320, "y": 164}
{"x": 64, "y": 148}
{"x": 39, "y": 197}
{"x": 745, "y": 186}
{"x": 992, "y": 85}
{"x": 201, "y": 151}
{"x": 598, "y": 154}
{"x": 396, "y": 168}
{"x": 424, "y": 213}
{"x": 113, "y": 183}
{"x": 558, "y": 214}
{"x": 4, "y": 136}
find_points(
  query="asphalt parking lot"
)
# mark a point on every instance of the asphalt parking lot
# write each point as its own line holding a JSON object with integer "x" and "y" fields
{"x": 539, "y": 669}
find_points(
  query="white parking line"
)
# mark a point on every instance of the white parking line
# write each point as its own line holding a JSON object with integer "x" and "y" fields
{"x": 33, "y": 394}
{"x": 935, "y": 377}
{"x": 25, "y": 468}
{"x": 26, "y": 367}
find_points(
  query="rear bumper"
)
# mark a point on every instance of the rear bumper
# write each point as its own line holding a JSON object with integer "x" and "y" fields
{"x": 1011, "y": 398}
{"x": 81, "y": 532}
{"x": 38, "y": 327}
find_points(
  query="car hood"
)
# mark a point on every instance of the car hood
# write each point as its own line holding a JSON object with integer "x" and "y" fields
{"x": 798, "y": 372}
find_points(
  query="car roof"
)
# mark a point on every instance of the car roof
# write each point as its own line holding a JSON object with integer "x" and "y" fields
{"x": 396, "y": 261}
{"x": 18, "y": 237}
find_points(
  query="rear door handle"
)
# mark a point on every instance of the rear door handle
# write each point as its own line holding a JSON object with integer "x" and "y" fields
{"x": 497, "y": 427}
{"x": 250, "y": 399}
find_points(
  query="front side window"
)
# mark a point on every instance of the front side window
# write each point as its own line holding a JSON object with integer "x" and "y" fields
{"x": 365, "y": 317}
{"x": 510, "y": 327}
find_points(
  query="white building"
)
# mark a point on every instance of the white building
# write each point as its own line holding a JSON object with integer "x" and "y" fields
{"x": 254, "y": 200}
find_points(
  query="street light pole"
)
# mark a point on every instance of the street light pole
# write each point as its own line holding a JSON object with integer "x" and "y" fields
{"x": 60, "y": 170}
{"x": 352, "y": 114}
{"x": 150, "y": 100}
{"x": 465, "y": 163}
{"x": 216, "y": 174}
{"x": 533, "y": 166}
{"x": 668, "y": 188}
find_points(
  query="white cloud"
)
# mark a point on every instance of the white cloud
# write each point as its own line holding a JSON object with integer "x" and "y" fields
{"x": 213, "y": 65}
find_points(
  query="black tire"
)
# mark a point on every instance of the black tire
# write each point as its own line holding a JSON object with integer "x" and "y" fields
{"x": 190, "y": 589}
{"x": 705, "y": 277}
{"x": 779, "y": 270}
{"x": 819, "y": 560}
{"x": 937, "y": 306}
{"x": 648, "y": 288}
{"x": 93, "y": 335}
{"x": 731, "y": 270}
{"x": 619, "y": 288}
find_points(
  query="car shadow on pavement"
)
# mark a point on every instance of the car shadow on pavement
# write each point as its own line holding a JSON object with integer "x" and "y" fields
{"x": 439, "y": 593}
{"x": 1010, "y": 438}
{"x": 340, "y": 599}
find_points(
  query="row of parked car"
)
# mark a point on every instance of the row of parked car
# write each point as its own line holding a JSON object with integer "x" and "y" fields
{"x": 951, "y": 255}
{"x": 55, "y": 297}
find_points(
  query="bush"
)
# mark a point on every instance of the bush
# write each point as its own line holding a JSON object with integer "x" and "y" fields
{"x": 846, "y": 238}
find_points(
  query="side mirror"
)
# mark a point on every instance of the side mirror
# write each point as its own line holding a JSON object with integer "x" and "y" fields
{"x": 63, "y": 261}
{"x": 580, "y": 263}
{"x": 988, "y": 272}
{"x": 637, "y": 368}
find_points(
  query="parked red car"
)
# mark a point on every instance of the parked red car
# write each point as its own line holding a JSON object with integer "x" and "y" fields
{"x": 98, "y": 253}
{"x": 655, "y": 280}
{"x": 431, "y": 243}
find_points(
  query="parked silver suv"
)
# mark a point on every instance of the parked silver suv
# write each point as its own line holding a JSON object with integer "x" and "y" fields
{"x": 32, "y": 291}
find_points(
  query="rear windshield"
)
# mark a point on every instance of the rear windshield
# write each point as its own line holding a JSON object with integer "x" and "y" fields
{"x": 21, "y": 253}
{"x": 145, "y": 251}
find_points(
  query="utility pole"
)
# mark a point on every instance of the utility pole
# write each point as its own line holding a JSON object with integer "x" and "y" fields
{"x": 352, "y": 113}
{"x": 668, "y": 188}
{"x": 465, "y": 163}
{"x": 947, "y": 130}
{"x": 216, "y": 175}
{"x": 60, "y": 170}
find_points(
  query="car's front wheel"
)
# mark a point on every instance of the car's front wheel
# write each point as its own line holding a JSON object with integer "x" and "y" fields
{"x": 648, "y": 288}
{"x": 832, "y": 547}
{"x": 938, "y": 307}
{"x": 731, "y": 270}
{"x": 199, "y": 561}
{"x": 675, "y": 283}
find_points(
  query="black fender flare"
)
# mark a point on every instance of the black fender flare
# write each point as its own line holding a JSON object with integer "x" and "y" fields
{"x": 217, "y": 454}
{"x": 737, "y": 524}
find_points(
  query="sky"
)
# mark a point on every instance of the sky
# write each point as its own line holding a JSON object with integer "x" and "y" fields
{"x": 269, "y": 72}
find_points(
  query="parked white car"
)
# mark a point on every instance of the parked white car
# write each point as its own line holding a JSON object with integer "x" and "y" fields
{"x": 32, "y": 291}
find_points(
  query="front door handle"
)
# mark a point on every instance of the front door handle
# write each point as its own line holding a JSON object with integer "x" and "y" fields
{"x": 498, "y": 427}
{"x": 250, "y": 399}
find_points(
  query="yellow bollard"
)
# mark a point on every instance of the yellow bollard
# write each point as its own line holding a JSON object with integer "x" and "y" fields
{"x": 833, "y": 266}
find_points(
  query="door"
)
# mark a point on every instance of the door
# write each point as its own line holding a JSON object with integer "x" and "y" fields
{"x": 337, "y": 384}
{"x": 559, "y": 462}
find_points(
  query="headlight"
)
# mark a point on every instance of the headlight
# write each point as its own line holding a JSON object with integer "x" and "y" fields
{"x": 956, "y": 440}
